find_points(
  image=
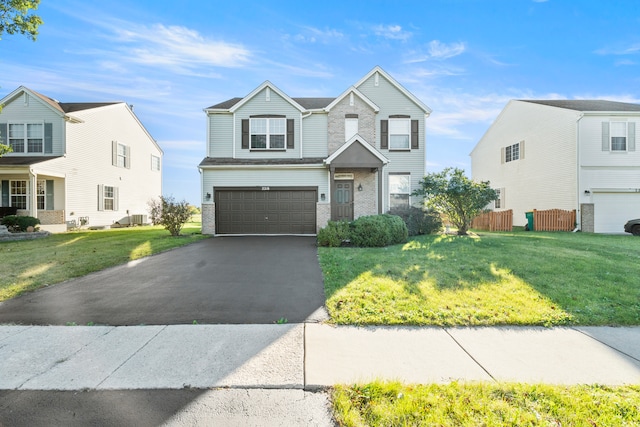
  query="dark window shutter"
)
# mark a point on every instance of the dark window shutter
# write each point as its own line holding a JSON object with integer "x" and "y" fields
{"x": 631, "y": 136}
{"x": 5, "y": 192}
{"x": 605, "y": 136}
{"x": 245, "y": 134}
{"x": 290, "y": 134}
{"x": 384, "y": 133}
{"x": 415, "y": 144}
{"x": 49, "y": 195}
{"x": 48, "y": 138}
{"x": 3, "y": 134}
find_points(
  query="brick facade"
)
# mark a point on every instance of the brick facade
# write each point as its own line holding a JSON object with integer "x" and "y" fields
{"x": 336, "y": 117}
{"x": 587, "y": 217}
{"x": 209, "y": 218}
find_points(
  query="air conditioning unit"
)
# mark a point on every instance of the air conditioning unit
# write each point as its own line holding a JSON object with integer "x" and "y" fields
{"x": 138, "y": 219}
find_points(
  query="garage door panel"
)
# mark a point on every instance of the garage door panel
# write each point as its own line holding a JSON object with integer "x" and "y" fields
{"x": 613, "y": 210}
{"x": 277, "y": 211}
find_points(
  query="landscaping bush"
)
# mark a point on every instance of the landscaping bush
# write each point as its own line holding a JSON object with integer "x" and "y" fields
{"x": 334, "y": 234}
{"x": 17, "y": 223}
{"x": 419, "y": 221}
{"x": 378, "y": 231}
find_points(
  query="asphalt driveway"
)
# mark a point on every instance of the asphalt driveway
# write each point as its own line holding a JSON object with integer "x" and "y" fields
{"x": 221, "y": 280}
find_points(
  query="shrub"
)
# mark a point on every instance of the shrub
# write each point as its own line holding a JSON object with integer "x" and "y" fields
{"x": 378, "y": 231}
{"x": 170, "y": 214}
{"x": 419, "y": 221}
{"x": 334, "y": 234}
{"x": 19, "y": 223}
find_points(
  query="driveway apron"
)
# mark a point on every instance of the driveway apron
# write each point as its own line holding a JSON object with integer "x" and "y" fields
{"x": 251, "y": 279}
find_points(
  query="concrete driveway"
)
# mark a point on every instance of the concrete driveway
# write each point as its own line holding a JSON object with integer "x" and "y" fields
{"x": 221, "y": 280}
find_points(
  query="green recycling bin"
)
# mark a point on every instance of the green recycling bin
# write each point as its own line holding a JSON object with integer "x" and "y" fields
{"x": 529, "y": 216}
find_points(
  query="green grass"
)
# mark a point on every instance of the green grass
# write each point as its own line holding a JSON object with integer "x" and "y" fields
{"x": 31, "y": 264}
{"x": 519, "y": 278}
{"x": 484, "y": 404}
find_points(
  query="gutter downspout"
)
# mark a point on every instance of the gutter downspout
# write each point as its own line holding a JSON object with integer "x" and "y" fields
{"x": 578, "y": 170}
{"x": 33, "y": 196}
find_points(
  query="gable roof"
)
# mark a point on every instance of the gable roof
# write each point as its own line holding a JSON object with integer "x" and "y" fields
{"x": 259, "y": 89}
{"x": 586, "y": 104}
{"x": 355, "y": 91}
{"x": 398, "y": 86}
{"x": 356, "y": 139}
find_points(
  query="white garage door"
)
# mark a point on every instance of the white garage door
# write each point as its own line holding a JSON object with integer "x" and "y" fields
{"x": 612, "y": 210}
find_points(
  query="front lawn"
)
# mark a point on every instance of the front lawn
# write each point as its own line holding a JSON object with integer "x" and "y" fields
{"x": 480, "y": 404}
{"x": 518, "y": 278}
{"x": 31, "y": 264}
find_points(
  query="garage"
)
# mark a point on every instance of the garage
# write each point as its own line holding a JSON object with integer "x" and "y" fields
{"x": 613, "y": 210}
{"x": 266, "y": 210}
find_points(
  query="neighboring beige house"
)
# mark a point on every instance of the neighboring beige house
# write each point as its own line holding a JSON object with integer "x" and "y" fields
{"x": 564, "y": 154}
{"x": 282, "y": 165}
{"x": 74, "y": 162}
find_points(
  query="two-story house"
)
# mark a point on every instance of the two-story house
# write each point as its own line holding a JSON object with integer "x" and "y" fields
{"x": 82, "y": 163}
{"x": 564, "y": 154}
{"x": 281, "y": 165}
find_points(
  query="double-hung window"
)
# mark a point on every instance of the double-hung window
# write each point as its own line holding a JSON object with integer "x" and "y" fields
{"x": 109, "y": 198}
{"x": 399, "y": 134}
{"x": 399, "y": 190}
{"x": 121, "y": 155}
{"x": 26, "y": 137}
{"x": 155, "y": 163}
{"x": 18, "y": 194}
{"x": 268, "y": 133}
{"x": 618, "y": 136}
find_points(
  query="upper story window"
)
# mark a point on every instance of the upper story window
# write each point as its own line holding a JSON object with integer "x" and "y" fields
{"x": 350, "y": 127}
{"x": 155, "y": 163}
{"x": 268, "y": 134}
{"x": 618, "y": 136}
{"x": 120, "y": 155}
{"x": 399, "y": 134}
{"x": 513, "y": 152}
{"x": 26, "y": 137}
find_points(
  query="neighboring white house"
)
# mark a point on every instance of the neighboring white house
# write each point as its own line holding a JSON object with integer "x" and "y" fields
{"x": 73, "y": 161}
{"x": 282, "y": 165}
{"x": 564, "y": 154}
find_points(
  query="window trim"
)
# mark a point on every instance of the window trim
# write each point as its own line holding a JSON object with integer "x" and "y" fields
{"x": 25, "y": 136}
{"x": 396, "y": 120}
{"x": 389, "y": 193}
{"x": 268, "y": 134}
{"x": 25, "y": 195}
{"x": 626, "y": 136}
{"x": 155, "y": 165}
{"x": 116, "y": 155}
{"x": 508, "y": 153}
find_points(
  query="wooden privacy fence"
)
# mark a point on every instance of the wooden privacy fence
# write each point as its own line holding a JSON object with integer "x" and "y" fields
{"x": 554, "y": 220}
{"x": 494, "y": 221}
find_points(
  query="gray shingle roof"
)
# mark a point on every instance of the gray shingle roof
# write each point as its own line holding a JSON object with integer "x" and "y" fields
{"x": 210, "y": 161}
{"x": 70, "y": 107}
{"x": 586, "y": 104}
{"x": 9, "y": 160}
{"x": 307, "y": 103}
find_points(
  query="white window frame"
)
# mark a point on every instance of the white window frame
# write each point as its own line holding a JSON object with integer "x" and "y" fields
{"x": 109, "y": 195}
{"x": 399, "y": 128}
{"x": 618, "y": 133}
{"x": 398, "y": 190}
{"x": 497, "y": 204}
{"x": 350, "y": 127}
{"x": 24, "y": 139}
{"x": 155, "y": 163}
{"x": 13, "y": 194}
{"x": 41, "y": 194}
{"x": 121, "y": 155}
{"x": 269, "y": 132}
{"x": 512, "y": 153}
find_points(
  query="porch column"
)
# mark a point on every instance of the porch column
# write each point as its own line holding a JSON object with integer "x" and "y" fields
{"x": 380, "y": 174}
{"x": 33, "y": 196}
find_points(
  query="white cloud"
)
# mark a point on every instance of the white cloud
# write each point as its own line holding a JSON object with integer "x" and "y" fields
{"x": 393, "y": 32}
{"x": 313, "y": 35}
{"x": 629, "y": 50}
{"x": 439, "y": 50}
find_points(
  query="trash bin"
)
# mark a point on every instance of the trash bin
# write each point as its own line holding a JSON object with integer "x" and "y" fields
{"x": 529, "y": 216}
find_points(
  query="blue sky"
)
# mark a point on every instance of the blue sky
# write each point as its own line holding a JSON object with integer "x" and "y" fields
{"x": 464, "y": 59}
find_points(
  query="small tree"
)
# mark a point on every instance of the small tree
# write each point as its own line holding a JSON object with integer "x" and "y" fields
{"x": 170, "y": 214}
{"x": 453, "y": 194}
{"x": 15, "y": 18}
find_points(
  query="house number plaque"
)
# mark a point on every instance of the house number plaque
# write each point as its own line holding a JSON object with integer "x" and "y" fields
{"x": 265, "y": 188}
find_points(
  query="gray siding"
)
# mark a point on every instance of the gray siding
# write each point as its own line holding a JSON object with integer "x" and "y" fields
{"x": 314, "y": 138}
{"x": 220, "y": 135}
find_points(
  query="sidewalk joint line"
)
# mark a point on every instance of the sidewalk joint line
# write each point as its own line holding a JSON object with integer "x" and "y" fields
{"x": 131, "y": 356}
{"x": 604, "y": 343}
{"x": 469, "y": 354}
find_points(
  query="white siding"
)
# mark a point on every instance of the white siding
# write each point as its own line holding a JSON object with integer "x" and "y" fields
{"x": 88, "y": 163}
{"x": 546, "y": 177}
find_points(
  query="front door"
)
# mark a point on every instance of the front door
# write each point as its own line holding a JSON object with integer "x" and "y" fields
{"x": 343, "y": 201}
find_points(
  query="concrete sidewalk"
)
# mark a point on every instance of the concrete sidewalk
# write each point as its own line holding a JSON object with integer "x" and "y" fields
{"x": 308, "y": 356}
